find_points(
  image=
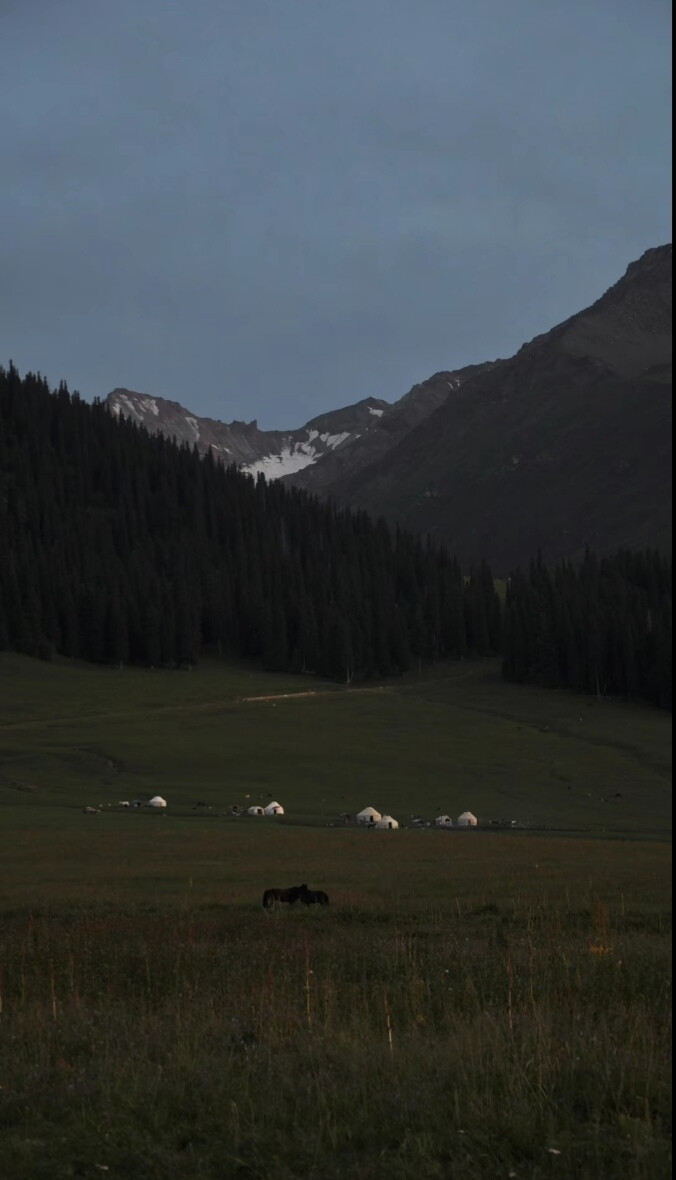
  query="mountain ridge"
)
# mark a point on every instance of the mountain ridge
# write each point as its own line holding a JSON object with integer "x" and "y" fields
{"x": 564, "y": 445}
{"x": 372, "y": 422}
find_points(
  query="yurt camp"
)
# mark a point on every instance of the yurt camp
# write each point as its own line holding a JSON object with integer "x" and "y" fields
{"x": 255, "y": 810}
{"x": 157, "y": 801}
{"x": 274, "y": 809}
{"x": 368, "y": 816}
{"x": 444, "y": 821}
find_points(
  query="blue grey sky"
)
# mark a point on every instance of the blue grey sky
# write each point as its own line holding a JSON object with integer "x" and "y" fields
{"x": 272, "y": 208}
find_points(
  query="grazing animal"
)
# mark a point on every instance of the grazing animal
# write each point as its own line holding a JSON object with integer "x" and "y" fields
{"x": 290, "y": 896}
{"x": 313, "y": 896}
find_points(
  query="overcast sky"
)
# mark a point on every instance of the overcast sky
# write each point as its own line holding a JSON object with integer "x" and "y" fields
{"x": 272, "y": 208}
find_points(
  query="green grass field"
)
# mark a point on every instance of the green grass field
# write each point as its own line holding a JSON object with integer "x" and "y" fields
{"x": 451, "y": 739}
{"x": 481, "y": 1003}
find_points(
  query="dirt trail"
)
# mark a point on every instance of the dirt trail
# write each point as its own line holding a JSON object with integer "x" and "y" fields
{"x": 231, "y": 702}
{"x": 196, "y": 707}
{"x": 315, "y": 692}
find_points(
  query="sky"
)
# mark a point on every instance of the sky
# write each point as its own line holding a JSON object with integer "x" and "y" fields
{"x": 273, "y": 208}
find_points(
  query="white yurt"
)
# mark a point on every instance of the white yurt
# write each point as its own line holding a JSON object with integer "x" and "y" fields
{"x": 274, "y": 809}
{"x": 386, "y": 821}
{"x": 444, "y": 821}
{"x": 368, "y": 816}
{"x": 467, "y": 820}
{"x": 157, "y": 801}
{"x": 255, "y": 810}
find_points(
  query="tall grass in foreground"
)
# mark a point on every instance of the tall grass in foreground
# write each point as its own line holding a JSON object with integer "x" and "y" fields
{"x": 525, "y": 1039}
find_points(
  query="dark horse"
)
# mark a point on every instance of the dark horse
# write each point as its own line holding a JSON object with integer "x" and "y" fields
{"x": 288, "y": 895}
{"x": 291, "y": 896}
{"x": 313, "y": 896}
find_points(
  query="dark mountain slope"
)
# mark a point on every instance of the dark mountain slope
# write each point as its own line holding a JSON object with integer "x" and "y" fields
{"x": 566, "y": 444}
{"x": 393, "y": 427}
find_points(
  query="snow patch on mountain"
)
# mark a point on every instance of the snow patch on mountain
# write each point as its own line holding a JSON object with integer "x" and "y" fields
{"x": 273, "y": 454}
{"x": 287, "y": 462}
{"x": 295, "y": 456}
{"x": 135, "y": 406}
{"x": 334, "y": 440}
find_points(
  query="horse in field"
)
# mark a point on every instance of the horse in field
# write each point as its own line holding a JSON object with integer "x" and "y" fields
{"x": 296, "y": 893}
{"x": 313, "y": 896}
{"x": 290, "y": 896}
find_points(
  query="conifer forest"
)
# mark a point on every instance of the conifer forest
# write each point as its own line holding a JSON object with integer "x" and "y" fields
{"x": 118, "y": 547}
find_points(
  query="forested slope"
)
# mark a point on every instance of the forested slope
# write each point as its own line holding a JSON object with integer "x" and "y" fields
{"x": 119, "y": 546}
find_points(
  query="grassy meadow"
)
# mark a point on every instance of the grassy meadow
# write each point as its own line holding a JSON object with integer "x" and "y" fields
{"x": 487, "y": 1003}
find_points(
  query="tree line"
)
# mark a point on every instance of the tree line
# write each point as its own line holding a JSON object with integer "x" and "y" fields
{"x": 117, "y": 546}
{"x": 602, "y": 626}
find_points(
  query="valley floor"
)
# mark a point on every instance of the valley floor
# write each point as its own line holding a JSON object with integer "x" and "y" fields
{"x": 469, "y": 1004}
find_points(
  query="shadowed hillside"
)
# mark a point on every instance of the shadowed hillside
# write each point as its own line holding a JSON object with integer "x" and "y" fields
{"x": 567, "y": 444}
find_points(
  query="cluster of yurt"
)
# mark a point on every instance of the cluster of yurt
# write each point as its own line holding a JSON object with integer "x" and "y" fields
{"x": 371, "y": 818}
{"x": 157, "y": 803}
{"x": 466, "y": 820}
{"x": 273, "y": 808}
